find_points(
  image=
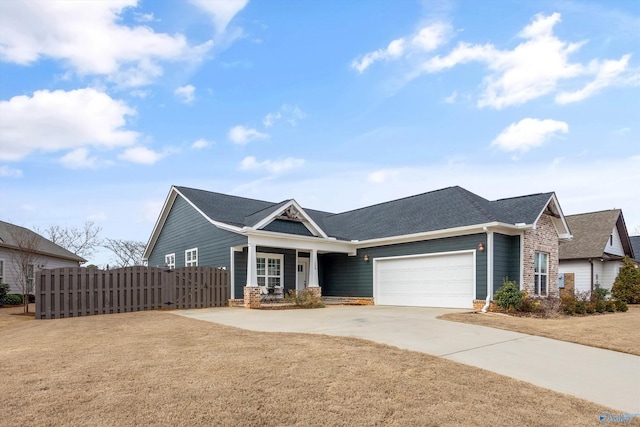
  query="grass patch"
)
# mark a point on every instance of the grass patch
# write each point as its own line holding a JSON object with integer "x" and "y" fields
{"x": 154, "y": 368}
{"x": 612, "y": 331}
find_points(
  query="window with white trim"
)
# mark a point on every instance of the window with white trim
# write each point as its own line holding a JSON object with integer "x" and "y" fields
{"x": 170, "y": 261}
{"x": 269, "y": 269}
{"x": 31, "y": 272}
{"x": 541, "y": 273}
{"x": 191, "y": 257}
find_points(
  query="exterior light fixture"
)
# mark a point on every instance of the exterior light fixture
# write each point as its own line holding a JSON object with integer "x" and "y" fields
{"x": 481, "y": 247}
{"x": 366, "y": 258}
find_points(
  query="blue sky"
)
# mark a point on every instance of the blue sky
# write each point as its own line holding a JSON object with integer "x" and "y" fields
{"x": 105, "y": 105}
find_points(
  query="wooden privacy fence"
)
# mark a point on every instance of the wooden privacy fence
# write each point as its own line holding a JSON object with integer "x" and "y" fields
{"x": 73, "y": 292}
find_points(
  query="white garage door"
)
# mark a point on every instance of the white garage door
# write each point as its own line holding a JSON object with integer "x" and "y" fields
{"x": 434, "y": 280}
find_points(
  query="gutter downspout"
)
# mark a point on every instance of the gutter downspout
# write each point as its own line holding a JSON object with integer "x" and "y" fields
{"x": 489, "y": 250}
{"x": 591, "y": 262}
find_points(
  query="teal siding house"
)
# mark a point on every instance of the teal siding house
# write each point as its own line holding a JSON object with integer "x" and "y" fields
{"x": 445, "y": 248}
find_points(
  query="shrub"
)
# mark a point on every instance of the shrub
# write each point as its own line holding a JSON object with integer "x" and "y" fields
{"x": 509, "y": 296}
{"x": 621, "y": 305}
{"x": 548, "y": 306}
{"x": 304, "y": 299}
{"x": 4, "y": 290}
{"x": 13, "y": 299}
{"x": 609, "y": 306}
{"x": 626, "y": 287}
{"x": 568, "y": 304}
{"x": 580, "y": 307}
{"x": 599, "y": 294}
{"x": 599, "y": 306}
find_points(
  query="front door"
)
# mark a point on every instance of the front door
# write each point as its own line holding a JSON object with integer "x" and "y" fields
{"x": 303, "y": 274}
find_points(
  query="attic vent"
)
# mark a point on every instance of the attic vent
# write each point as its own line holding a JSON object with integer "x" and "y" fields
{"x": 291, "y": 214}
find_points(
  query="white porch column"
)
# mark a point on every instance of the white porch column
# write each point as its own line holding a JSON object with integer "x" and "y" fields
{"x": 252, "y": 277}
{"x": 313, "y": 269}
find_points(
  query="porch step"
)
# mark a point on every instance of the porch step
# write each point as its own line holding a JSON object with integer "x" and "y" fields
{"x": 347, "y": 301}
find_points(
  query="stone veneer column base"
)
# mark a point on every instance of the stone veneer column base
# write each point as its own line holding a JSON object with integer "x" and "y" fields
{"x": 479, "y": 303}
{"x": 315, "y": 291}
{"x": 252, "y": 297}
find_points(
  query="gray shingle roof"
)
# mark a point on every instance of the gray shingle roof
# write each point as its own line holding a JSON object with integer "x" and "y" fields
{"x": 590, "y": 232}
{"x": 44, "y": 246}
{"x": 436, "y": 210}
{"x": 635, "y": 244}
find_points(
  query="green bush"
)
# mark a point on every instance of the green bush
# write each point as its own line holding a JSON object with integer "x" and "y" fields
{"x": 599, "y": 306}
{"x": 4, "y": 290}
{"x": 609, "y": 306}
{"x": 626, "y": 287}
{"x": 599, "y": 294}
{"x": 13, "y": 299}
{"x": 509, "y": 296}
{"x": 568, "y": 304}
{"x": 304, "y": 299}
{"x": 621, "y": 305}
{"x": 581, "y": 307}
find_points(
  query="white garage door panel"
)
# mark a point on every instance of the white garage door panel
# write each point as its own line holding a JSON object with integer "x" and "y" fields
{"x": 428, "y": 281}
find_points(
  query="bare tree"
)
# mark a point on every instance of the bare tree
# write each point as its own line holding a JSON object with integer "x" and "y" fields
{"x": 81, "y": 241}
{"x": 128, "y": 252}
{"x": 24, "y": 259}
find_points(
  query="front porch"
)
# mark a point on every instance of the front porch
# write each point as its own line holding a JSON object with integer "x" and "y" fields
{"x": 269, "y": 267}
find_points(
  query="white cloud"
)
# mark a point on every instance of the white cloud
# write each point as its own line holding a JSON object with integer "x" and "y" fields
{"x": 382, "y": 176}
{"x": 271, "y": 166}
{"x": 141, "y": 155}
{"x": 79, "y": 159}
{"x": 185, "y": 93}
{"x": 201, "y": 143}
{"x": 271, "y": 118}
{"x": 533, "y": 68}
{"x": 144, "y": 17}
{"x": 426, "y": 39}
{"x": 607, "y": 72}
{"x": 529, "y": 133}
{"x": 10, "y": 172}
{"x": 395, "y": 49}
{"x": 221, "y": 11}
{"x": 59, "y": 120}
{"x": 289, "y": 113}
{"x": 89, "y": 38}
{"x": 242, "y": 135}
{"x": 139, "y": 93}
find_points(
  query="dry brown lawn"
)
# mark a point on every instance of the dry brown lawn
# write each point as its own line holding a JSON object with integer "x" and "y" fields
{"x": 611, "y": 331}
{"x": 155, "y": 368}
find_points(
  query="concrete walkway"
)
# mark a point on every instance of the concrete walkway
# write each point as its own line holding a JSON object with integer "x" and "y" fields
{"x": 605, "y": 377}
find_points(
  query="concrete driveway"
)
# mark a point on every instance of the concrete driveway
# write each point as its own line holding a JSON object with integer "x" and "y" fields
{"x": 606, "y": 377}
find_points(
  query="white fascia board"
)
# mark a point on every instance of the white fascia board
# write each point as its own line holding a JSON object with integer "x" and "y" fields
{"x": 560, "y": 224}
{"x": 315, "y": 229}
{"x": 436, "y": 234}
{"x": 218, "y": 224}
{"x": 164, "y": 213}
{"x": 293, "y": 241}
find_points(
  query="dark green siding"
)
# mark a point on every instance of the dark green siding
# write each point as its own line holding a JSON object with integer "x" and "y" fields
{"x": 506, "y": 259}
{"x": 185, "y": 229}
{"x": 240, "y": 275}
{"x": 289, "y": 227}
{"x": 343, "y": 275}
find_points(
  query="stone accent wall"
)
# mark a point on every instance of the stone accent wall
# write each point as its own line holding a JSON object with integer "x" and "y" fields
{"x": 252, "y": 296}
{"x": 314, "y": 290}
{"x": 479, "y": 303}
{"x": 543, "y": 239}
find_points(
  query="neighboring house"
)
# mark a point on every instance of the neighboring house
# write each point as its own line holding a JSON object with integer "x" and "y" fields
{"x": 45, "y": 254}
{"x": 445, "y": 248}
{"x": 635, "y": 245}
{"x": 600, "y": 242}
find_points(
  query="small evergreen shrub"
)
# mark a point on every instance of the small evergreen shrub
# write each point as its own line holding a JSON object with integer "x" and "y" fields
{"x": 4, "y": 291}
{"x": 509, "y": 296}
{"x": 580, "y": 307}
{"x": 599, "y": 294}
{"x": 13, "y": 299}
{"x": 626, "y": 287}
{"x": 599, "y": 306}
{"x": 609, "y": 306}
{"x": 621, "y": 306}
{"x": 568, "y": 304}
